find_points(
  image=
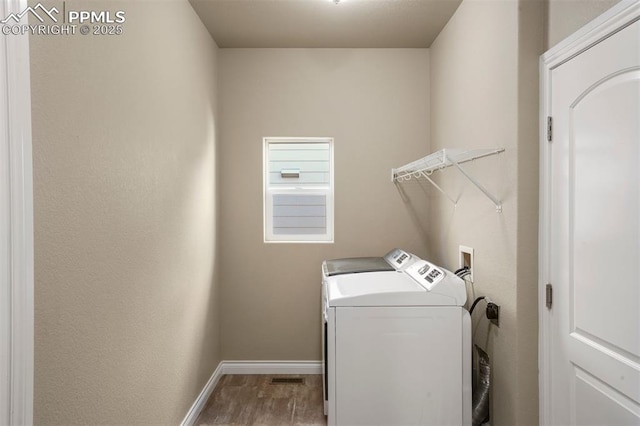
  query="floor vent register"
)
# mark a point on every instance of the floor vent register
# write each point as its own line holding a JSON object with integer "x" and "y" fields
{"x": 287, "y": 381}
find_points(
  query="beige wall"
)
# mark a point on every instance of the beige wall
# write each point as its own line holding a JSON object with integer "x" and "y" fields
{"x": 484, "y": 94}
{"x": 125, "y": 187}
{"x": 127, "y": 192}
{"x": 374, "y": 102}
{"x": 564, "y": 17}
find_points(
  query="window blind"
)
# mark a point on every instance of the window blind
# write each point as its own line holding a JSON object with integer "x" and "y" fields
{"x": 299, "y": 214}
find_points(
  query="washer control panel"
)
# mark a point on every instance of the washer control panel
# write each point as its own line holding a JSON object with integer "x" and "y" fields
{"x": 427, "y": 274}
{"x": 398, "y": 258}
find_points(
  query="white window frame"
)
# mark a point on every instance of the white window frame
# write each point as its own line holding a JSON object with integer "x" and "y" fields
{"x": 301, "y": 189}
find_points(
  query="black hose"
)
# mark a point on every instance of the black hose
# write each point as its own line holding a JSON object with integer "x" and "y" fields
{"x": 475, "y": 302}
{"x": 464, "y": 268}
{"x": 463, "y": 274}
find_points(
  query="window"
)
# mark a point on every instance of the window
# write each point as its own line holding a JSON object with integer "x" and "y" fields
{"x": 298, "y": 190}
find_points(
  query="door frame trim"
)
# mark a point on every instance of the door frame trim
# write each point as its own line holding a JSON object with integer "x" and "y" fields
{"x": 17, "y": 218}
{"x": 615, "y": 19}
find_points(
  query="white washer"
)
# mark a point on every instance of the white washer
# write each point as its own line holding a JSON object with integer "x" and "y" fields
{"x": 397, "y": 348}
{"x": 395, "y": 260}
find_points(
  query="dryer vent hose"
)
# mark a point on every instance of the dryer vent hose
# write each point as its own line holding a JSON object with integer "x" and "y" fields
{"x": 480, "y": 398}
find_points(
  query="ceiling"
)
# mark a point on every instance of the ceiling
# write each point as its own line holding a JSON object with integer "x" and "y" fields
{"x": 322, "y": 23}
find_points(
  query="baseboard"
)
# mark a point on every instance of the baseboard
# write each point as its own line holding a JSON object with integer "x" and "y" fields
{"x": 201, "y": 400}
{"x": 272, "y": 367}
{"x": 247, "y": 367}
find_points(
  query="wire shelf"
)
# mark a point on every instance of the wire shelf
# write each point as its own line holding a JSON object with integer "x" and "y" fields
{"x": 424, "y": 167}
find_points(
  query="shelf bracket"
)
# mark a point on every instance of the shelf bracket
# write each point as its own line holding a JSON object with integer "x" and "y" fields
{"x": 484, "y": 190}
{"x": 424, "y": 175}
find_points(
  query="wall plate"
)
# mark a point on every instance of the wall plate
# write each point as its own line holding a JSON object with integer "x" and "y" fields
{"x": 466, "y": 259}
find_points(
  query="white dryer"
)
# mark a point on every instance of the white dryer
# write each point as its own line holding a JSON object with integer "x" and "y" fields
{"x": 397, "y": 348}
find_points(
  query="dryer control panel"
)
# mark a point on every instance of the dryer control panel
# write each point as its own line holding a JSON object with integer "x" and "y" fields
{"x": 427, "y": 274}
{"x": 398, "y": 258}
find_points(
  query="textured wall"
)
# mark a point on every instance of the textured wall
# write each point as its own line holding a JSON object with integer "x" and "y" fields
{"x": 484, "y": 94}
{"x": 124, "y": 150}
{"x": 564, "y": 17}
{"x": 374, "y": 102}
{"x": 530, "y": 47}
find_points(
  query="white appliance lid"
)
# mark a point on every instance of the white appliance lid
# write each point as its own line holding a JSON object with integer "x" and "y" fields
{"x": 393, "y": 289}
{"x": 355, "y": 265}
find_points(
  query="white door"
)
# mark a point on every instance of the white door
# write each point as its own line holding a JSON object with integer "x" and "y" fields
{"x": 593, "y": 235}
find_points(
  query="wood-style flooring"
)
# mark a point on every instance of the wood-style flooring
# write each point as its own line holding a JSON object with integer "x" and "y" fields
{"x": 254, "y": 400}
